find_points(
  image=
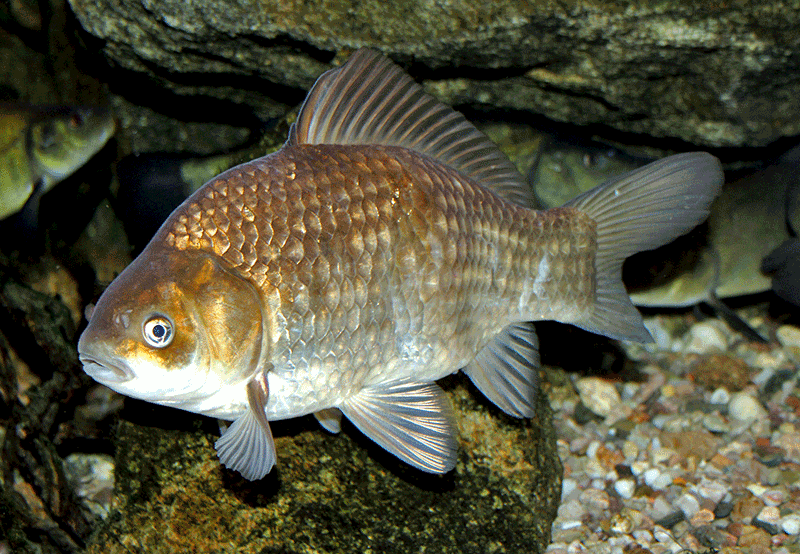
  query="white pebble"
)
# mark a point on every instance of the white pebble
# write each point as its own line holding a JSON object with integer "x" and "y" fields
{"x": 570, "y": 524}
{"x": 591, "y": 450}
{"x": 720, "y": 396}
{"x": 661, "y": 455}
{"x": 744, "y": 407}
{"x": 651, "y": 475}
{"x": 791, "y": 524}
{"x": 688, "y": 504}
{"x": 788, "y": 336}
{"x": 769, "y": 514}
{"x": 707, "y": 336}
{"x": 643, "y": 537}
{"x": 567, "y": 486}
{"x": 661, "y": 508}
{"x": 600, "y": 396}
{"x": 711, "y": 489}
{"x": 757, "y": 489}
{"x": 661, "y": 481}
{"x": 625, "y": 487}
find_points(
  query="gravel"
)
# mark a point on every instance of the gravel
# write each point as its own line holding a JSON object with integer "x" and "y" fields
{"x": 699, "y": 454}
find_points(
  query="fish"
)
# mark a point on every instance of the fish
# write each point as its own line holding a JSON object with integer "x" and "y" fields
{"x": 43, "y": 145}
{"x": 565, "y": 169}
{"x": 387, "y": 244}
{"x": 782, "y": 264}
{"x": 712, "y": 263}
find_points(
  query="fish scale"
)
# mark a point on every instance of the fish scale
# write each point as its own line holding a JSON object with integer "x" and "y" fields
{"x": 407, "y": 281}
{"x": 386, "y": 245}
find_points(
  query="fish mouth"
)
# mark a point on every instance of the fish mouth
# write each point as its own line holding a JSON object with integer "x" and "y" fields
{"x": 105, "y": 372}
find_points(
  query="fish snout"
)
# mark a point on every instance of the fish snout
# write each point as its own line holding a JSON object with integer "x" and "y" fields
{"x": 106, "y": 372}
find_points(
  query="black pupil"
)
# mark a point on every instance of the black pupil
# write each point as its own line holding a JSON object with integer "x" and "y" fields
{"x": 159, "y": 331}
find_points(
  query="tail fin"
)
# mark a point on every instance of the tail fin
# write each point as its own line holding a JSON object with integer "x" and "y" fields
{"x": 637, "y": 211}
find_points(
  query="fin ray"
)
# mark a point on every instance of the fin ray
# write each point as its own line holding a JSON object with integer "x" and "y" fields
{"x": 370, "y": 100}
{"x": 413, "y": 421}
{"x": 330, "y": 419}
{"x": 247, "y": 446}
{"x": 506, "y": 371}
{"x": 641, "y": 210}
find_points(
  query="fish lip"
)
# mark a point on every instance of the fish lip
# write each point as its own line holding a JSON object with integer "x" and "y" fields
{"x": 104, "y": 371}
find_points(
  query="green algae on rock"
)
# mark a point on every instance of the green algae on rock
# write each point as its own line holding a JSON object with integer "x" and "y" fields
{"x": 338, "y": 493}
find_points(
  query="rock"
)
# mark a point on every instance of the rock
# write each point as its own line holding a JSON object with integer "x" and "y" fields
{"x": 92, "y": 478}
{"x": 625, "y": 487}
{"x": 701, "y": 518}
{"x": 688, "y": 504}
{"x": 706, "y": 337}
{"x": 534, "y": 57}
{"x": 788, "y": 336}
{"x": 600, "y": 396}
{"x": 791, "y": 524}
{"x": 744, "y": 407}
{"x": 700, "y": 444}
{"x": 720, "y": 370}
{"x": 331, "y": 493}
{"x": 714, "y": 491}
{"x": 720, "y": 396}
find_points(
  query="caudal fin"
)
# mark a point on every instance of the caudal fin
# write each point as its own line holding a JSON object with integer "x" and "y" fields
{"x": 637, "y": 211}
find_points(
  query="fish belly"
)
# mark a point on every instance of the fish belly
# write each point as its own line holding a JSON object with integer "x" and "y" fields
{"x": 378, "y": 264}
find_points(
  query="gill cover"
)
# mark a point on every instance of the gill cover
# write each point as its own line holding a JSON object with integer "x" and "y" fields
{"x": 175, "y": 328}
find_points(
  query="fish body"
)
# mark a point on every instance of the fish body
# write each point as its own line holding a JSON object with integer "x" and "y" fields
{"x": 40, "y": 146}
{"x": 386, "y": 245}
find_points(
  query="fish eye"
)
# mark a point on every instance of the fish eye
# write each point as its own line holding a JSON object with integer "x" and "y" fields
{"x": 77, "y": 119}
{"x": 157, "y": 331}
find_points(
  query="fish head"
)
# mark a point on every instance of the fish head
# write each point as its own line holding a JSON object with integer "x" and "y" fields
{"x": 175, "y": 328}
{"x": 61, "y": 143}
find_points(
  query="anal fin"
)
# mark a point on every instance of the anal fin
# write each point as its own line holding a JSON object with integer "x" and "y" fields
{"x": 413, "y": 421}
{"x": 247, "y": 446}
{"x": 330, "y": 419}
{"x": 506, "y": 371}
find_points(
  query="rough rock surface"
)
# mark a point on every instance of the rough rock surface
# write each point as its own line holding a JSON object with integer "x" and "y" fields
{"x": 713, "y": 74}
{"x": 338, "y": 494}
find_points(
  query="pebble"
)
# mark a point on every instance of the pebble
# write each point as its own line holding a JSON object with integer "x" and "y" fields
{"x": 91, "y": 476}
{"x": 711, "y": 489}
{"x": 791, "y": 524}
{"x": 706, "y": 459}
{"x": 788, "y": 336}
{"x": 625, "y": 488}
{"x": 701, "y": 517}
{"x": 769, "y": 514}
{"x": 688, "y": 504}
{"x": 707, "y": 336}
{"x": 716, "y": 423}
{"x": 745, "y": 408}
{"x": 600, "y": 396}
{"x": 720, "y": 396}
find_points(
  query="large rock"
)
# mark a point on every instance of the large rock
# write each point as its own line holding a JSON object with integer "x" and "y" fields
{"x": 334, "y": 494}
{"x": 720, "y": 74}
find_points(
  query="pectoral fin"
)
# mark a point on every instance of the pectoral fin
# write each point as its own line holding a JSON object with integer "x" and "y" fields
{"x": 330, "y": 419}
{"x": 413, "y": 421}
{"x": 506, "y": 371}
{"x": 247, "y": 446}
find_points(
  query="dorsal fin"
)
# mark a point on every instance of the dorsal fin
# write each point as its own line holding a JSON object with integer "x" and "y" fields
{"x": 370, "y": 100}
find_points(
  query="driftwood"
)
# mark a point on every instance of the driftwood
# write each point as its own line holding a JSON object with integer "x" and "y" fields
{"x": 38, "y": 510}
